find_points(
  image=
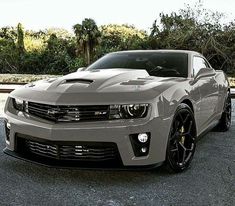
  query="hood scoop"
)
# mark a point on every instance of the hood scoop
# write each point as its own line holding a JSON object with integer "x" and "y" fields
{"x": 80, "y": 81}
{"x": 134, "y": 82}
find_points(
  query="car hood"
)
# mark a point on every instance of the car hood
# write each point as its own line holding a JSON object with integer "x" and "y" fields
{"x": 97, "y": 86}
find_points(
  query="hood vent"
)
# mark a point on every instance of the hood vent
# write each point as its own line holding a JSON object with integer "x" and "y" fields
{"x": 81, "y": 81}
{"x": 134, "y": 82}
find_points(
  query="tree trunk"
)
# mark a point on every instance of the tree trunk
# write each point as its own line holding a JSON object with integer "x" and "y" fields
{"x": 88, "y": 53}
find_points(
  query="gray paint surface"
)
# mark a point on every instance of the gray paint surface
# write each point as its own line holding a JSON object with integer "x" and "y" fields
{"x": 121, "y": 86}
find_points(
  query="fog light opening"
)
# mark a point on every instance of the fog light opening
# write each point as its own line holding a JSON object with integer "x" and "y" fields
{"x": 140, "y": 143}
{"x": 144, "y": 149}
{"x": 143, "y": 137}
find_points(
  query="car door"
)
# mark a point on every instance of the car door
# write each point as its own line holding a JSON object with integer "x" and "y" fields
{"x": 208, "y": 89}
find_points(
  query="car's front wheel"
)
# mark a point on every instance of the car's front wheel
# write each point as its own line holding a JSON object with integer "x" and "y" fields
{"x": 181, "y": 142}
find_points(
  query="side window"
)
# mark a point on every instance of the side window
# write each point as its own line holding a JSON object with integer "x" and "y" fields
{"x": 199, "y": 63}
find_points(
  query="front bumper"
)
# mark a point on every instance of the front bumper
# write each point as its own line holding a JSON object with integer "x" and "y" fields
{"x": 117, "y": 132}
{"x": 81, "y": 165}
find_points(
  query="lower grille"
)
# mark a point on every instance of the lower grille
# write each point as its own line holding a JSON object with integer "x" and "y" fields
{"x": 69, "y": 151}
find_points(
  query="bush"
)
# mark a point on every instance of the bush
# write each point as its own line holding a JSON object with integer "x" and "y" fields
{"x": 56, "y": 51}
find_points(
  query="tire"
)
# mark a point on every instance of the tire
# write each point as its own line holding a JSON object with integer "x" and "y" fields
{"x": 225, "y": 120}
{"x": 182, "y": 139}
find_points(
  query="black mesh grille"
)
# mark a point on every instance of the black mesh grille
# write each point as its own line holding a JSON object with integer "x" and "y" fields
{"x": 65, "y": 113}
{"x": 72, "y": 151}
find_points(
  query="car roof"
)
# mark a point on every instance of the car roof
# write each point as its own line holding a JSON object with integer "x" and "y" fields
{"x": 160, "y": 50}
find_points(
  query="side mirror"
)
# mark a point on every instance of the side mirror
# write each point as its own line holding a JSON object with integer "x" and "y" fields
{"x": 81, "y": 69}
{"x": 205, "y": 72}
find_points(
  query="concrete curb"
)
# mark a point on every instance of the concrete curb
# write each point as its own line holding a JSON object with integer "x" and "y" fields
{"x": 7, "y": 88}
{"x": 232, "y": 92}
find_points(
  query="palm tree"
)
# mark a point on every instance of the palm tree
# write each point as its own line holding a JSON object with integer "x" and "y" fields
{"x": 87, "y": 35}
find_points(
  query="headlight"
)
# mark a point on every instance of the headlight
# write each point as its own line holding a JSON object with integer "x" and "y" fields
{"x": 19, "y": 104}
{"x": 128, "y": 111}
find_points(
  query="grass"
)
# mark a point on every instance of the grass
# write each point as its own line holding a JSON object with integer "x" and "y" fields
{"x": 26, "y": 78}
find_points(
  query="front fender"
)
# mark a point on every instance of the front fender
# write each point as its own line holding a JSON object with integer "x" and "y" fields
{"x": 172, "y": 98}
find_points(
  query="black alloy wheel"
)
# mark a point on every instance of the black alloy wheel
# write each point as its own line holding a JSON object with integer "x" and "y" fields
{"x": 182, "y": 139}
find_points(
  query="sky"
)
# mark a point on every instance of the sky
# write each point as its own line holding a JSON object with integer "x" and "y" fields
{"x": 41, "y": 14}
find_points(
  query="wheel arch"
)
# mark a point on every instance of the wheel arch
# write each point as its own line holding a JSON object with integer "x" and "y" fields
{"x": 189, "y": 103}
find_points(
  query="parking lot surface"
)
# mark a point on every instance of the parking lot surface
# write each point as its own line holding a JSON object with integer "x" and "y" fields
{"x": 209, "y": 181}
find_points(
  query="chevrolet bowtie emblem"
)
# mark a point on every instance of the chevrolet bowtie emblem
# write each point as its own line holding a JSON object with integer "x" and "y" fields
{"x": 54, "y": 112}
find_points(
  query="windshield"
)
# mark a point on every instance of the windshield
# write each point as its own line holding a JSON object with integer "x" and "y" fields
{"x": 164, "y": 64}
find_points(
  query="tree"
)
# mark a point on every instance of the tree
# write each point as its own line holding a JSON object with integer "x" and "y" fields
{"x": 8, "y": 33}
{"x": 20, "y": 39}
{"x": 8, "y": 51}
{"x": 87, "y": 35}
{"x": 198, "y": 29}
{"x": 56, "y": 51}
{"x": 20, "y": 47}
{"x": 116, "y": 37}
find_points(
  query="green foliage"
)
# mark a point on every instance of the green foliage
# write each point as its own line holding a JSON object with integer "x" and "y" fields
{"x": 20, "y": 39}
{"x": 56, "y": 51}
{"x": 8, "y": 50}
{"x": 87, "y": 35}
{"x": 120, "y": 37}
{"x": 199, "y": 30}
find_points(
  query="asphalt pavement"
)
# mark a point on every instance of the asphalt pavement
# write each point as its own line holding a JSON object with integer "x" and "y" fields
{"x": 209, "y": 181}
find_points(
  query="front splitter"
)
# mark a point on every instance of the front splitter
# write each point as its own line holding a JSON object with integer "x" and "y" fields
{"x": 65, "y": 164}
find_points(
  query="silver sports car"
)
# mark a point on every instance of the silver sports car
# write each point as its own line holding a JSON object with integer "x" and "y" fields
{"x": 129, "y": 109}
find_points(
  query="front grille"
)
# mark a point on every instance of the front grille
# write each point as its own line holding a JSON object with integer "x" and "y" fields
{"x": 65, "y": 113}
{"x": 72, "y": 151}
